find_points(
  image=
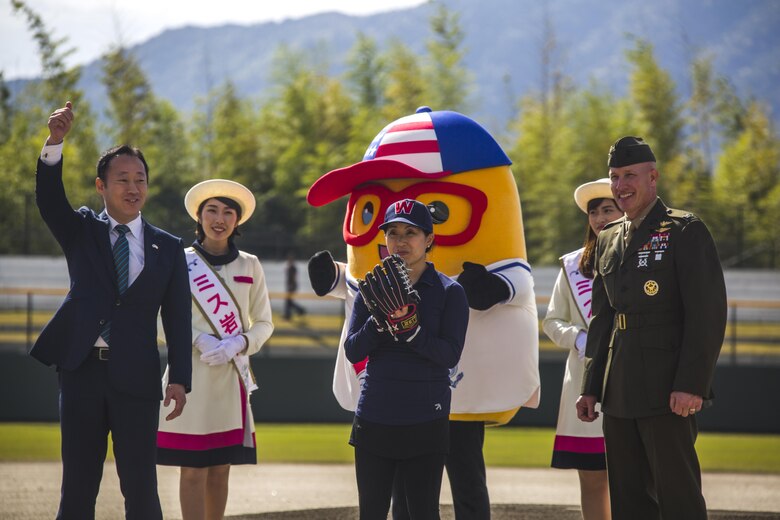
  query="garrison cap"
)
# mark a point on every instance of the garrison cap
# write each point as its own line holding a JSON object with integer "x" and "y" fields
{"x": 629, "y": 150}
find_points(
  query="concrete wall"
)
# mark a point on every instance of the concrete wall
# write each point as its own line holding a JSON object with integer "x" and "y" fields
{"x": 299, "y": 390}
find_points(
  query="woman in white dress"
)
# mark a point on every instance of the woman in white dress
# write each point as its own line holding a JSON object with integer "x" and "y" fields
{"x": 580, "y": 445}
{"x": 231, "y": 320}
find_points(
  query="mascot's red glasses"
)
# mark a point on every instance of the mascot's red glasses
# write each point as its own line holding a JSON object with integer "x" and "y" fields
{"x": 372, "y": 200}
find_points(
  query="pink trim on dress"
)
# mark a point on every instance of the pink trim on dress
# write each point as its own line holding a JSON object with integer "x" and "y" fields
{"x": 208, "y": 441}
{"x": 579, "y": 444}
{"x": 188, "y": 441}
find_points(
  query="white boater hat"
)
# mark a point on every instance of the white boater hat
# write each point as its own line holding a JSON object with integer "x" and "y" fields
{"x": 220, "y": 188}
{"x": 585, "y": 193}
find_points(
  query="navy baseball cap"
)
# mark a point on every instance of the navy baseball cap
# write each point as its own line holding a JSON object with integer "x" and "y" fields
{"x": 408, "y": 211}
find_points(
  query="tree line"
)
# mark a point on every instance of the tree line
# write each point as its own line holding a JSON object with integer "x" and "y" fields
{"x": 718, "y": 153}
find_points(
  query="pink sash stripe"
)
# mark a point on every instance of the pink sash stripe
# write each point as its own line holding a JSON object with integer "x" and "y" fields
{"x": 579, "y": 444}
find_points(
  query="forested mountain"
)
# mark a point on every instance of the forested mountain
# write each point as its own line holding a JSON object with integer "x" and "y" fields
{"x": 503, "y": 41}
{"x": 275, "y": 106}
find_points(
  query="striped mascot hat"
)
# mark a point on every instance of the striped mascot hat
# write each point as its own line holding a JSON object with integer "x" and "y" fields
{"x": 424, "y": 145}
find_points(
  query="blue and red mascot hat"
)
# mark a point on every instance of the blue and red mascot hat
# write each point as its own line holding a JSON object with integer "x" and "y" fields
{"x": 424, "y": 145}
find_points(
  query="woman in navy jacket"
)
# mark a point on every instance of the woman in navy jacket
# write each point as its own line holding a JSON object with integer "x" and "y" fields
{"x": 401, "y": 420}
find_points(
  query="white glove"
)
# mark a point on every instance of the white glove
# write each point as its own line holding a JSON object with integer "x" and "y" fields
{"x": 225, "y": 351}
{"x": 206, "y": 342}
{"x": 580, "y": 343}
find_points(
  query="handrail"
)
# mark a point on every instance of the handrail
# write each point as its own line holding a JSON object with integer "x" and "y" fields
{"x": 734, "y": 305}
{"x": 52, "y": 291}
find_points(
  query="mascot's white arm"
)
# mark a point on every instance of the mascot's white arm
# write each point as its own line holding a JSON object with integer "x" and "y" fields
{"x": 499, "y": 368}
{"x": 347, "y": 377}
{"x": 339, "y": 288}
{"x": 516, "y": 273}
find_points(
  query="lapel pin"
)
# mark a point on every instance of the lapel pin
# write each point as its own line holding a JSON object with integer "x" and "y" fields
{"x": 154, "y": 246}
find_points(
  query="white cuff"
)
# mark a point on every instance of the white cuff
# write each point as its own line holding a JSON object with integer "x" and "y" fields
{"x": 580, "y": 342}
{"x": 51, "y": 154}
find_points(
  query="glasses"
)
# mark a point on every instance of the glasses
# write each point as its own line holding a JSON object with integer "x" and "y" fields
{"x": 449, "y": 202}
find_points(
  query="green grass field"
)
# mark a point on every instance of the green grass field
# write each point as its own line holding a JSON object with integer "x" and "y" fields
{"x": 327, "y": 443}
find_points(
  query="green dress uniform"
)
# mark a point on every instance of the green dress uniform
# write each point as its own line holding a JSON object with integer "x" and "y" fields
{"x": 659, "y": 317}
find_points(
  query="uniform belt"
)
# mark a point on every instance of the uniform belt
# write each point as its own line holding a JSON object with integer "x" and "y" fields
{"x": 100, "y": 353}
{"x": 625, "y": 321}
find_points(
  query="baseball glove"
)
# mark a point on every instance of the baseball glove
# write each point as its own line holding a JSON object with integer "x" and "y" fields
{"x": 389, "y": 296}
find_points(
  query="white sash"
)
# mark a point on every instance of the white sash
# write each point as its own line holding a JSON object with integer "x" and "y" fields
{"x": 218, "y": 306}
{"x": 581, "y": 287}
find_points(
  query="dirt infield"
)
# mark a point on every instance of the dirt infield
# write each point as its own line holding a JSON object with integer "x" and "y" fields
{"x": 316, "y": 491}
{"x": 497, "y": 512}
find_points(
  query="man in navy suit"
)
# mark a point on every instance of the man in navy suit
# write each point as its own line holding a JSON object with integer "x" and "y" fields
{"x": 103, "y": 339}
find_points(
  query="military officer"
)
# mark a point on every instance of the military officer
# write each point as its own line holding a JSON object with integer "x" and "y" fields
{"x": 659, "y": 318}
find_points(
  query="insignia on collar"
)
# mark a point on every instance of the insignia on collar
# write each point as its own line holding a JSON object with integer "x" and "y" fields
{"x": 665, "y": 223}
{"x": 662, "y": 230}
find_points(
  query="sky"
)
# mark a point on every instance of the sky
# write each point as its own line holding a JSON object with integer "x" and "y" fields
{"x": 92, "y": 26}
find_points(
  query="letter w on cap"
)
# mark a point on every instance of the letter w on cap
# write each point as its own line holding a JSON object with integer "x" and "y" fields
{"x": 404, "y": 206}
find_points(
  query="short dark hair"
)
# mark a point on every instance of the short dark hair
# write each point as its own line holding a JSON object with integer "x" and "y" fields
{"x": 116, "y": 151}
{"x": 201, "y": 235}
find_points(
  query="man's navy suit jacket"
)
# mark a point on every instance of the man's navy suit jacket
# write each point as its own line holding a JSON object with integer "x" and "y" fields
{"x": 162, "y": 286}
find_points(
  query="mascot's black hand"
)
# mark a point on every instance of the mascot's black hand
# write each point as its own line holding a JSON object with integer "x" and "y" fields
{"x": 483, "y": 289}
{"x": 322, "y": 272}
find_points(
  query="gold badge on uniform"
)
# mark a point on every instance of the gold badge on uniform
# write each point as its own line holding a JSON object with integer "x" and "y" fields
{"x": 651, "y": 287}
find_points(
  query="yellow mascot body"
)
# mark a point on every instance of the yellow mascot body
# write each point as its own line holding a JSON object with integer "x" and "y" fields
{"x": 451, "y": 164}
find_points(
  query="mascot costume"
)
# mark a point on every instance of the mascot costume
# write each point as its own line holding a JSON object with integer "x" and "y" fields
{"x": 454, "y": 166}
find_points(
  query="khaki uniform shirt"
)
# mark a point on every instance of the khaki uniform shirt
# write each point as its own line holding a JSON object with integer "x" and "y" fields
{"x": 659, "y": 314}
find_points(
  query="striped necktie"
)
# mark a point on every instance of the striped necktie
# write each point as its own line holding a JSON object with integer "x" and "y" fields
{"x": 121, "y": 253}
{"x": 122, "y": 258}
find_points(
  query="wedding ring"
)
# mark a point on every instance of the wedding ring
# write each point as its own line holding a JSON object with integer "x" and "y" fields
{"x": 692, "y": 410}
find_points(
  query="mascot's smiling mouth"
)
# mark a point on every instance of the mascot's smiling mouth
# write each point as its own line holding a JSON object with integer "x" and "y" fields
{"x": 383, "y": 252}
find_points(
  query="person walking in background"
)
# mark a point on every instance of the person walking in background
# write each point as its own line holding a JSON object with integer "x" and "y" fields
{"x": 231, "y": 320}
{"x": 402, "y": 418}
{"x": 580, "y": 445}
{"x": 103, "y": 339}
{"x": 659, "y": 318}
{"x": 291, "y": 284}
